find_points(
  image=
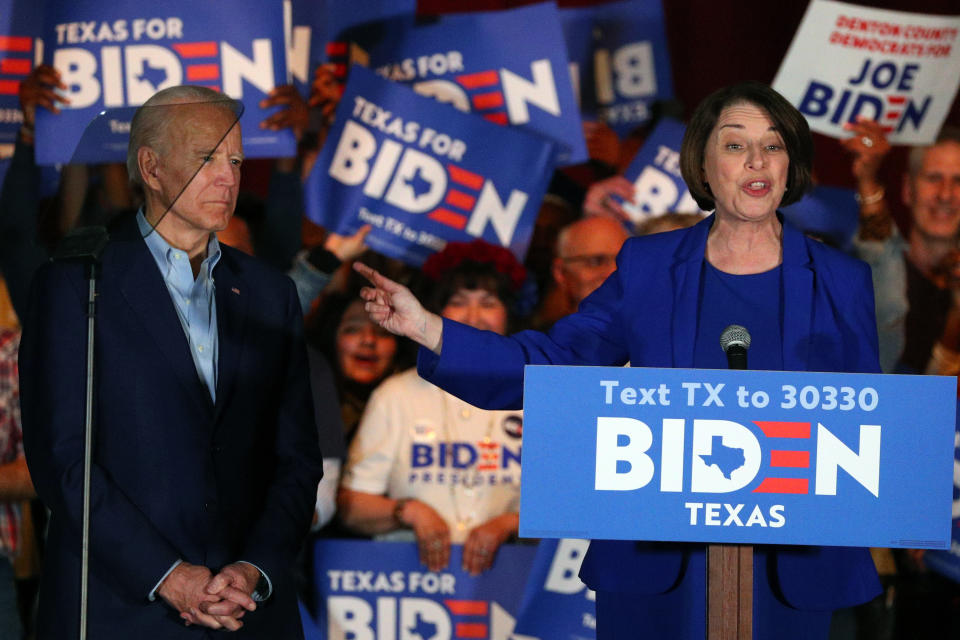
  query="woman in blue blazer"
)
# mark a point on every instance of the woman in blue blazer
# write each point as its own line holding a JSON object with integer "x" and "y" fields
{"x": 808, "y": 307}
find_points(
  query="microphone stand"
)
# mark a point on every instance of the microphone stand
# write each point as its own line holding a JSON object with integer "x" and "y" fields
{"x": 85, "y": 245}
{"x": 730, "y": 566}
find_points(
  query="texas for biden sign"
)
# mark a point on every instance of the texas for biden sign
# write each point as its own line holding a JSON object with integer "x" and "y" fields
{"x": 738, "y": 456}
{"x": 421, "y": 173}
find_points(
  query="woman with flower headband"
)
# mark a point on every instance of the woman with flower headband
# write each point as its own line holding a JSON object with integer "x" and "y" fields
{"x": 426, "y": 465}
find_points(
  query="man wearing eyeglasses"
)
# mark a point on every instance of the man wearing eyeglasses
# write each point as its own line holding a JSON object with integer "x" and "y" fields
{"x": 586, "y": 254}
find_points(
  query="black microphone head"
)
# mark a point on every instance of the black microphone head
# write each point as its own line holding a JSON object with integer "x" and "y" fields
{"x": 735, "y": 336}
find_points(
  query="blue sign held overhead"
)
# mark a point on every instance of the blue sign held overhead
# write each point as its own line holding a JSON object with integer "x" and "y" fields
{"x": 619, "y": 59}
{"x": 118, "y": 54}
{"x": 655, "y": 174}
{"x": 760, "y": 457}
{"x": 509, "y": 67}
{"x": 421, "y": 173}
{"x": 320, "y": 29}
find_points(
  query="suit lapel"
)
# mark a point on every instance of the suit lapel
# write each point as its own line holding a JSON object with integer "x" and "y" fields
{"x": 797, "y": 300}
{"x": 685, "y": 272}
{"x": 232, "y": 299}
{"x": 145, "y": 291}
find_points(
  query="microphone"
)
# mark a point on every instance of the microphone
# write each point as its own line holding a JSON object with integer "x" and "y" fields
{"x": 735, "y": 340}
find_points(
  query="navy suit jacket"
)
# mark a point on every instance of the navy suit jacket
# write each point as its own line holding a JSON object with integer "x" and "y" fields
{"x": 175, "y": 476}
{"x": 646, "y": 313}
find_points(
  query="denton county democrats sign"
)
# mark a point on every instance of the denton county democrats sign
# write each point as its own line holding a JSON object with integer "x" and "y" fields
{"x": 900, "y": 69}
{"x": 760, "y": 457}
{"x": 618, "y": 60}
{"x": 379, "y": 590}
{"x": 118, "y": 54}
{"x": 510, "y": 67}
{"x": 422, "y": 173}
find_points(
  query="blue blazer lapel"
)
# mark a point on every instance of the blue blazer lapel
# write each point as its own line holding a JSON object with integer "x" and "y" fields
{"x": 232, "y": 300}
{"x": 145, "y": 291}
{"x": 685, "y": 274}
{"x": 798, "y": 283}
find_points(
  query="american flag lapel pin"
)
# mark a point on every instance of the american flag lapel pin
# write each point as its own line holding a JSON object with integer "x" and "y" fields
{"x": 235, "y": 290}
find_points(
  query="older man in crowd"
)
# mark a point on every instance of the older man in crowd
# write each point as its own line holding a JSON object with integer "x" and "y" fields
{"x": 916, "y": 279}
{"x": 205, "y": 463}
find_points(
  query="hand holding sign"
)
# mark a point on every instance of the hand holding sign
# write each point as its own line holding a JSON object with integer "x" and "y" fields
{"x": 869, "y": 145}
{"x": 393, "y": 307}
{"x": 38, "y": 89}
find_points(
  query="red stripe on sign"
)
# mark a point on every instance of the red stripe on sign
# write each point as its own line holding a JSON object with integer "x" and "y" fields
{"x": 479, "y": 79}
{"x": 496, "y": 118}
{"x": 339, "y": 70}
{"x": 488, "y": 100}
{"x": 213, "y": 87}
{"x": 15, "y": 66}
{"x": 486, "y": 467}
{"x": 198, "y": 72}
{"x": 886, "y": 129}
{"x": 784, "y": 429}
{"x": 336, "y": 48}
{"x": 467, "y": 607}
{"x": 196, "y": 49}
{"x": 892, "y": 115}
{"x": 471, "y": 630}
{"x": 463, "y": 201}
{"x": 9, "y": 87}
{"x": 896, "y": 99}
{"x": 466, "y": 178}
{"x": 16, "y": 43}
{"x": 783, "y": 485}
{"x": 449, "y": 218}
{"x": 795, "y": 459}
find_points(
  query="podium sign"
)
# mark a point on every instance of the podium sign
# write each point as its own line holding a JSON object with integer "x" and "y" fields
{"x": 755, "y": 457}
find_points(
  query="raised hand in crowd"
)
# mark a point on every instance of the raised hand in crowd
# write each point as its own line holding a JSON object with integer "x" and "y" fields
{"x": 347, "y": 248}
{"x": 481, "y": 546}
{"x": 295, "y": 115}
{"x": 603, "y": 144}
{"x": 392, "y": 306}
{"x": 325, "y": 92}
{"x": 599, "y": 200}
{"x": 869, "y": 147}
{"x": 38, "y": 89}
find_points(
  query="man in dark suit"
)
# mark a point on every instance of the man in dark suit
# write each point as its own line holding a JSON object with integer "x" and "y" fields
{"x": 205, "y": 454}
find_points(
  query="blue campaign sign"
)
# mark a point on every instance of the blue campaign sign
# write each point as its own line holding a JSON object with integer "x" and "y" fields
{"x": 655, "y": 173}
{"x": 556, "y": 604}
{"x": 380, "y": 590}
{"x": 762, "y": 457}
{"x": 20, "y": 24}
{"x": 320, "y": 28}
{"x": 422, "y": 173}
{"x": 118, "y": 54}
{"x": 619, "y": 56}
{"x": 510, "y": 67}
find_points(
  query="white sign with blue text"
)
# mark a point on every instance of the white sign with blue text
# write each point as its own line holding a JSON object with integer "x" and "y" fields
{"x": 762, "y": 457}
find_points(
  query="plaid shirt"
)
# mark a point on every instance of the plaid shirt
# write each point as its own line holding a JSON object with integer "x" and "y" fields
{"x": 11, "y": 438}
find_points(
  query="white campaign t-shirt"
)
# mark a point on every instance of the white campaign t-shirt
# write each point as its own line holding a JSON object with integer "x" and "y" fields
{"x": 417, "y": 441}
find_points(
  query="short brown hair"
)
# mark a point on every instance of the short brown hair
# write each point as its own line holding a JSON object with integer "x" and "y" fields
{"x": 790, "y": 124}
